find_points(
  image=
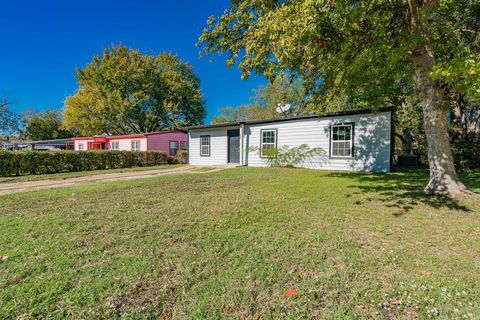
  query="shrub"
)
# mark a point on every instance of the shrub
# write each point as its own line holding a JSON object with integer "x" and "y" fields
{"x": 466, "y": 153}
{"x": 285, "y": 156}
{"x": 172, "y": 160}
{"x": 39, "y": 162}
{"x": 182, "y": 156}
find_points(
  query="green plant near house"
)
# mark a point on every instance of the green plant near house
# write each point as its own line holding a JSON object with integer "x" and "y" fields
{"x": 18, "y": 163}
{"x": 182, "y": 156}
{"x": 285, "y": 156}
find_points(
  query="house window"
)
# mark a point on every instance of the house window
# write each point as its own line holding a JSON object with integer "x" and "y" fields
{"x": 205, "y": 146}
{"x": 184, "y": 145}
{"x": 268, "y": 141}
{"x": 115, "y": 145}
{"x": 342, "y": 141}
{"x": 80, "y": 146}
{"x": 173, "y": 148}
{"x": 135, "y": 145}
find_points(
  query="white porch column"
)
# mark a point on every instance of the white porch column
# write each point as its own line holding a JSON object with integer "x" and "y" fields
{"x": 242, "y": 135}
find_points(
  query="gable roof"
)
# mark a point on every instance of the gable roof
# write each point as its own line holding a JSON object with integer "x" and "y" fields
{"x": 300, "y": 117}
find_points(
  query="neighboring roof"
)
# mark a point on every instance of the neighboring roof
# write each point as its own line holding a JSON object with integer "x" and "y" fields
{"x": 127, "y": 136}
{"x": 310, "y": 116}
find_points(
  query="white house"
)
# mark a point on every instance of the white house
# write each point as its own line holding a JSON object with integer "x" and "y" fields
{"x": 357, "y": 140}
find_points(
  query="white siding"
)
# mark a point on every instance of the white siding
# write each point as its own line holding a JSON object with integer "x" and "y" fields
{"x": 126, "y": 144}
{"x": 218, "y": 146}
{"x": 371, "y": 142}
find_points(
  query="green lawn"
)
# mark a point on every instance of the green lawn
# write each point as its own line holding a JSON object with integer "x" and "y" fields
{"x": 66, "y": 175}
{"x": 229, "y": 244}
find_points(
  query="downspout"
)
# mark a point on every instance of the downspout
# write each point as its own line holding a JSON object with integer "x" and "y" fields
{"x": 242, "y": 135}
{"x": 188, "y": 146}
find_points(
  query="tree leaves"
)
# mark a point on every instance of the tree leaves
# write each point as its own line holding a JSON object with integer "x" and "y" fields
{"x": 348, "y": 55}
{"x": 123, "y": 91}
{"x": 9, "y": 120}
{"x": 45, "y": 126}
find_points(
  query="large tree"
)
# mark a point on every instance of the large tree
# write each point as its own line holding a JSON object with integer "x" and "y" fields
{"x": 9, "y": 120}
{"x": 45, "y": 125}
{"x": 338, "y": 46}
{"x": 123, "y": 91}
{"x": 266, "y": 98}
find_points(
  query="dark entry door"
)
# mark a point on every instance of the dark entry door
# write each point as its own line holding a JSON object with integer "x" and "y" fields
{"x": 234, "y": 146}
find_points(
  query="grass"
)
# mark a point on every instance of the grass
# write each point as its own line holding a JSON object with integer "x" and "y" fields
{"x": 228, "y": 244}
{"x": 66, "y": 175}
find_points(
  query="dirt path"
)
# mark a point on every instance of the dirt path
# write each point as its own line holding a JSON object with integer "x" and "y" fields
{"x": 14, "y": 187}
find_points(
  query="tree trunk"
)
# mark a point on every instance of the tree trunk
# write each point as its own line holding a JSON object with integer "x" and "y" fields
{"x": 443, "y": 177}
{"x": 459, "y": 126}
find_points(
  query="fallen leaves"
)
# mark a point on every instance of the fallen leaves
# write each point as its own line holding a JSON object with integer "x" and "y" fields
{"x": 290, "y": 292}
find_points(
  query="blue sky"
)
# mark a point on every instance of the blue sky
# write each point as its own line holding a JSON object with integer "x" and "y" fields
{"x": 43, "y": 42}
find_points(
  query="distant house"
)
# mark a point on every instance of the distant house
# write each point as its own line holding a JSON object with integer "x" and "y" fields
{"x": 357, "y": 140}
{"x": 168, "y": 141}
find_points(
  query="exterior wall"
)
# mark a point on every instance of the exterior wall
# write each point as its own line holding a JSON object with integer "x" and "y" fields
{"x": 85, "y": 144}
{"x": 161, "y": 141}
{"x": 126, "y": 144}
{"x": 372, "y": 139}
{"x": 218, "y": 146}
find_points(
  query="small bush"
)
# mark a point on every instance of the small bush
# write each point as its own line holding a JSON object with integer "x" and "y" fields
{"x": 466, "y": 153}
{"x": 172, "y": 160}
{"x": 40, "y": 162}
{"x": 182, "y": 156}
{"x": 286, "y": 156}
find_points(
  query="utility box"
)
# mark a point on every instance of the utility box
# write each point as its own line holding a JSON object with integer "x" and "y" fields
{"x": 408, "y": 161}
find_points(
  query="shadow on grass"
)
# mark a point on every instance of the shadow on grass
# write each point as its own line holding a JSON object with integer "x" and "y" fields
{"x": 404, "y": 189}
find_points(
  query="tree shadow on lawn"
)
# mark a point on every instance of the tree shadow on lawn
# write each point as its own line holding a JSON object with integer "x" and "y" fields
{"x": 404, "y": 189}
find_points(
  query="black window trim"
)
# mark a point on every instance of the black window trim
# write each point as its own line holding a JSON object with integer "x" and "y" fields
{"x": 331, "y": 136}
{"x": 170, "y": 148}
{"x": 209, "y": 145}
{"x": 261, "y": 140}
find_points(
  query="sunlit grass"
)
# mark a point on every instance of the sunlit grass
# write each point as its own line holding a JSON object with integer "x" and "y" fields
{"x": 230, "y": 243}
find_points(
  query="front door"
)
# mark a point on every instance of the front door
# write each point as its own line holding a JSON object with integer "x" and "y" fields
{"x": 234, "y": 146}
{"x": 97, "y": 146}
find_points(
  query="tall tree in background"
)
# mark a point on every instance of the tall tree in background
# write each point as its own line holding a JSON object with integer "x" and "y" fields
{"x": 123, "y": 92}
{"x": 45, "y": 125}
{"x": 9, "y": 120}
{"x": 265, "y": 101}
{"x": 335, "y": 45}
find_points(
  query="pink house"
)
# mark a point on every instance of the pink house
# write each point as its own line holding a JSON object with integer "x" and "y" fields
{"x": 168, "y": 141}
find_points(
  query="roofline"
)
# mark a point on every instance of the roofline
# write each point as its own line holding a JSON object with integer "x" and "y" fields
{"x": 323, "y": 115}
{"x": 164, "y": 132}
{"x": 51, "y": 140}
{"x": 127, "y": 136}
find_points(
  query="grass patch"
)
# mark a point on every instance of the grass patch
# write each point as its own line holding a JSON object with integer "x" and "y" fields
{"x": 203, "y": 169}
{"x": 230, "y": 243}
{"x": 67, "y": 175}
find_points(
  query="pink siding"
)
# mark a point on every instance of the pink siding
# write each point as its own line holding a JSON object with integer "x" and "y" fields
{"x": 161, "y": 141}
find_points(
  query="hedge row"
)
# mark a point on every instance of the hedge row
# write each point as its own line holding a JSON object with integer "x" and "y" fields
{"x": 39, "y": 162}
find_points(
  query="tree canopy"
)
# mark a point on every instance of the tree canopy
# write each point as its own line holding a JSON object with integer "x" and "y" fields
{"x": 265, "y": 100}
{"x": 354, "y": 54}
{"x": 9, "y": 120}
{"x": 45, "y": 125}
{"x": 123, "y": 91}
